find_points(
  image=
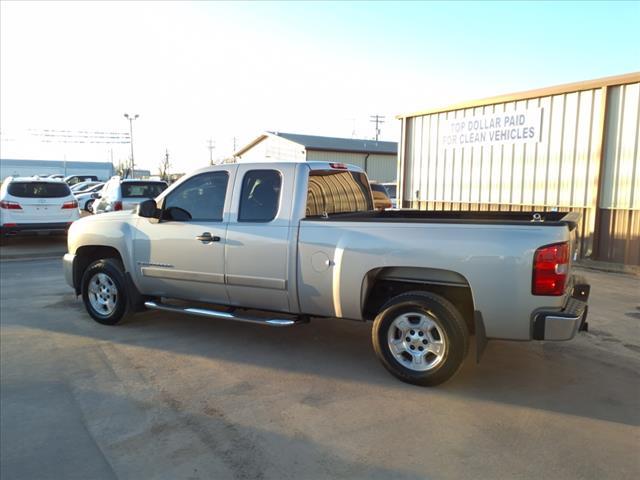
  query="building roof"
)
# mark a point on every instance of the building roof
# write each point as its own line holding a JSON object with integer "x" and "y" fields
{"x": 540, "y": 92}
{"x": 336, "y": 144}
{"x": 328, "y": 144}
{"x": 54, "y": 163}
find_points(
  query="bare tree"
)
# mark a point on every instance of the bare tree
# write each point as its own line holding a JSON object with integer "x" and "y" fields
{"x": 165, "y": 166}
{"x": 121, "y": 169}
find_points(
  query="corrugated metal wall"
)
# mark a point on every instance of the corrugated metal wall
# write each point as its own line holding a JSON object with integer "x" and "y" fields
{"x": 560, "y": 171}
{"x": 379, "y": 168}
{"x": 619, "y": 214}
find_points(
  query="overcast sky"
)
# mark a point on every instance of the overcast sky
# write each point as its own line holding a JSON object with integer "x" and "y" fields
{"x": 195, "y": 71}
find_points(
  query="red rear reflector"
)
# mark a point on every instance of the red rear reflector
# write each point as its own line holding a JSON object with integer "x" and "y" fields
{"x": 9, "y": 224}
{"x": 117, "y": 206}
{"x": 10, "y": 205}
{"x": 339, "y": 166}
{"x": 71, "y": 204}
{"x": 550, "y": 269}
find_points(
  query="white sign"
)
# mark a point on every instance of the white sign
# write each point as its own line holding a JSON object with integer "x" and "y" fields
{"x": 493, "y": 129}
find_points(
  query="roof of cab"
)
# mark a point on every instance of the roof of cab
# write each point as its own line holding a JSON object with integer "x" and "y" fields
{"x": 313, "y": 165}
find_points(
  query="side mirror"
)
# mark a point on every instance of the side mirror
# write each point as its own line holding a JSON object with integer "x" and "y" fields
{"x": 148, "y": 209}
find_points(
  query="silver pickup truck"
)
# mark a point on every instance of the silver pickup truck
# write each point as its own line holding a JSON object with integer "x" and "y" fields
{"x": 302, "y": 240}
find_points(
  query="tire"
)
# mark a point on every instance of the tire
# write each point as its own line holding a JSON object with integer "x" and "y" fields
{"x": 424, "y": 321}
{"x": 98, "y": 281}
{"x": 88, "y": 204}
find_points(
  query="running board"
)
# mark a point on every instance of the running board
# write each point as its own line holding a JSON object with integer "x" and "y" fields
{"x": 203, "y": 312}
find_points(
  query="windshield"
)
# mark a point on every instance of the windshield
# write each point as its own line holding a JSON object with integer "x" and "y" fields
{"x": 142, "y": 189}
{"x": 38, "y": 189}
{"x": 391, "y": 190}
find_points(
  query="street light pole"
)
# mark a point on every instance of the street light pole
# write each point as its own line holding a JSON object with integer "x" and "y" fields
{"x": 131, "y": 118}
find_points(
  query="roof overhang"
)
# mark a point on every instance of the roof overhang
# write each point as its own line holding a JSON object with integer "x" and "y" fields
{"x": 541, "y": 92}
{"x": 250, "y": 145}
{"x": 315, "y": 149}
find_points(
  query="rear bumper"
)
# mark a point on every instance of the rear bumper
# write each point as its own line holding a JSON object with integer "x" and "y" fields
{"x": 564, "y": 324}
{"x": 12, "y": 229}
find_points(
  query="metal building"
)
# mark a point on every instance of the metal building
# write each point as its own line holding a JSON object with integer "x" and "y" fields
{"x": 379, "y": 159}
{"x": 27, "y": 168}
{"x": 569, "y": 147}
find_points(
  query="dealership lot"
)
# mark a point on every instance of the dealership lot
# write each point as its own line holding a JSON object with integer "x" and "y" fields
{"x": 169, "y": 396}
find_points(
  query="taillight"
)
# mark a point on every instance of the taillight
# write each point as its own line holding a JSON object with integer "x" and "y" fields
{"x": 10, "y": 205}
{"x": 338, "y": 166}
{"x": 71, "y": 204}
{"x": 550, "y": 269}
{"x": 117, "y": 206}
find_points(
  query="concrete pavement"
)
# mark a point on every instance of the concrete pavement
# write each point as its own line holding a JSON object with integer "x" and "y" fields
{"x": 170, "y": 396}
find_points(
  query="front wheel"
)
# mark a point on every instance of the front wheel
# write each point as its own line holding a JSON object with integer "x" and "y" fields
{"x": 421, "y": 338}
{"x": 104, "y": 291}
{"x": 88, "y": 205}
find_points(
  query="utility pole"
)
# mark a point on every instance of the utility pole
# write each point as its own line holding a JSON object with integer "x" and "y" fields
{"x": 378, "y": 120}
{"x": 211, "y": 145}
{"x": 131, "y": 118}
{"x": 164, "y": 166}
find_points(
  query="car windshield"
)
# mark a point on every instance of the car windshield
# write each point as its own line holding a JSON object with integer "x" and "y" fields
{"x": 142, "y": 189}
{"x": 85, "y": 189}
{"x": 38, "y": 189}
{"x": 391, "y": 190}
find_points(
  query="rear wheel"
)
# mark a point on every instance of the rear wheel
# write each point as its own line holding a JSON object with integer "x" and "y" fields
{"x": 88, "y": 204}
{"x": 421, "y": 338}
{"x": 103, "y": 291}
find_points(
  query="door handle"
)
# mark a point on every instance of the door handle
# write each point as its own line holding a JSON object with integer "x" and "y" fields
{"x": 207, "y": 237}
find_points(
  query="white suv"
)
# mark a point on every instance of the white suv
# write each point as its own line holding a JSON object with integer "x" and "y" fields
{"x": 36, "y": 204}
{"x": 118, "y": 194}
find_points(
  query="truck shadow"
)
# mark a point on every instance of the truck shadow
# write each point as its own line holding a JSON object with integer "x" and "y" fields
{"x": 574, "y": 378}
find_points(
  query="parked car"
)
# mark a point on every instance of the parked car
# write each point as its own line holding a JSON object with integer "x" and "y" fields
{"x": 303, "y": 239}
{"x": 126, "y": 194}
{"x": 84, "y": 186}
{"x": 56, "y": 176}
{"x": 381, "y": 200}
{"x": 87, "y": 197}
{"x": 35, "y": 205}
{"x": 73, "y": 179}
{"x": 391, "y": 188}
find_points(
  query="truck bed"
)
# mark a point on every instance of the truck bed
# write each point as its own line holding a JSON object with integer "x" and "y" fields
{"x": 569, "y": 219}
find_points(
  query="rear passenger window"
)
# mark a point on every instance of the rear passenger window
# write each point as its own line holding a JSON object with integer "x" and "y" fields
{"x": 38, "y": 189}
{"x": 199, "y": 198}
{"x": 332, "y": 192}
{"x": 260, "y": 196}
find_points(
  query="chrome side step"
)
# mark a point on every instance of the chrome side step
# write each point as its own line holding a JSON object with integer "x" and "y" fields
{"x": 203, "y": 312}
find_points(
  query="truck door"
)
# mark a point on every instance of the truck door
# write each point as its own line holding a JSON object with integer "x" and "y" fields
{"x": 182, "y": 255}
{"x": 259, "y": 238}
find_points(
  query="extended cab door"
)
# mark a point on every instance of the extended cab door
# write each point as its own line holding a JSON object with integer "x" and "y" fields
{"x": 182, "y": 255}
{"x": 260, "y": 237}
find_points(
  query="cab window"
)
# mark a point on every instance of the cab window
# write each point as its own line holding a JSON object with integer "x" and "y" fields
{"x": 200, "y": 198}
{"x": 332, "y": 192}
{"x": 260, "y": 196}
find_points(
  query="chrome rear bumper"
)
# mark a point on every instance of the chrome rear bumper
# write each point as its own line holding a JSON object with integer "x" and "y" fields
{"x": 564, "y": 324}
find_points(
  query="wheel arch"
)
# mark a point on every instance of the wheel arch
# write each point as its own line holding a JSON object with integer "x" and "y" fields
{"x": 85, "y": 256}
{"x": 381, "y": 284}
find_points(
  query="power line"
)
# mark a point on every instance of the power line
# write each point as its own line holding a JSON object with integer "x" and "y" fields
{"x": 378, "y": 120}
